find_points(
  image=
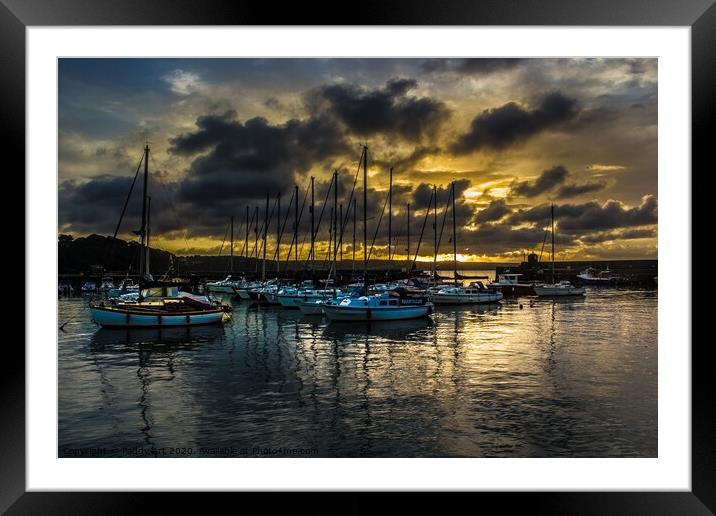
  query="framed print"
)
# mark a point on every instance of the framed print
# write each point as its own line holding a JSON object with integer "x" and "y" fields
{"x": 417, "y": 253}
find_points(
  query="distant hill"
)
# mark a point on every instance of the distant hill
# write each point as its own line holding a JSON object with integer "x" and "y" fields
{"x": 85, "y": 254}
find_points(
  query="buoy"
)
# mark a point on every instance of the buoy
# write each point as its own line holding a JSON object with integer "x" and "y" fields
{"x": 520, "y": 306}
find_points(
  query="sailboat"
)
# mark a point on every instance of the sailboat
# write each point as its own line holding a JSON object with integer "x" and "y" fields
{"x": 562, "y": 288}
{"x": 457, "y": 294}
{"x": 159, "y": 304}
{"x": 394, "y": 305}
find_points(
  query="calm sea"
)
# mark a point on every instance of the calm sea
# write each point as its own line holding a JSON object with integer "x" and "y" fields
{"x": 566, "y": 378}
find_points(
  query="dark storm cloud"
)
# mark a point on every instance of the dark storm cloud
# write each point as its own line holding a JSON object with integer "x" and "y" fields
{"x": 471, "y": 65}
{"x": 552, "y": 178}
{"x": 574, "y": 190}
{"x": 388, "y": 110}
{"x": 629, "y": 234}
{"x": 546, "y": 181}
{"x": 423, "y": 192}
{"x": 494, "y": 211}
{"x": 590, "y": 216}
{"x": 248, "y": 159}
{"x": 501, "y": 127}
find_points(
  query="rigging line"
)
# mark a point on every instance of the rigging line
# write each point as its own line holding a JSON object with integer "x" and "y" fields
{"x": 171, "y": 204}
{"x": 298, "y": 222}
{"x": 267, "y": 224}
{"x": 320, "y": 217}
{"x": 344, "y": 222}
{"x": 277, "y": 255}
{"x": 442, "y": 227}
{"x": 377, "y": 227}
{"x": 226, "y": 232}
{"x": 246, "y": 245}
{"x": 422, "y": 230}
{"x": 109, "y": 251}
{"x": 546, "y": 232}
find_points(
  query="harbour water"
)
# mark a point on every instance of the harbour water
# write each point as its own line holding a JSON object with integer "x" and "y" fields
{"x": 553, "y": 378}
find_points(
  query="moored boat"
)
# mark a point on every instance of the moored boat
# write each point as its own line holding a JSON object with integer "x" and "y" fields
{"x": 563, "y": 288}
{"x": 389, "y": 306}
{"x": 475, "y": 293}
{"x": 590, "y": 276}
{"x": 510, "y": 286}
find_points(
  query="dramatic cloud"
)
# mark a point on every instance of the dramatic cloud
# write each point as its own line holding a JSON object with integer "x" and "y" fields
{"x": 591, "y": 216}
{"x": 388, "y": 110}
{"x": 254, "y": 157}
{"x": 511, "y": 123}
{"x": 574, "y": 190}
{"x": 472, "y": 65}
{"x": 546, "y": 181}
{"x": 494, "y": 211}
{"x": 552, "y": 178}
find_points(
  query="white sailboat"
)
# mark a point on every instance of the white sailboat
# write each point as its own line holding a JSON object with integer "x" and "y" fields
{"x": 457, "y": 294}
{"x": 388, "y": 306}
{"x": 562, "y": 288}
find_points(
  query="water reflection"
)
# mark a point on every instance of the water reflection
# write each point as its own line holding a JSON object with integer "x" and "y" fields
{"x": 557, "y": 377}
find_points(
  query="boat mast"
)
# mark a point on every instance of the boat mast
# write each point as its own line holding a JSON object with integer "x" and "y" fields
{"x": 246, "y": 243}
{"x": 454, "y": 241}
{"x": 263, "y": 260}
{"x": 552, "y": 213}
{"x": 278, "y": 230}
{"x": 149, "y": 211}
{"x": 335, "y": 215}
{"x": 408, "y": 225}
{"x": 390, "y": 219}
{"x": 231, "y": 251}
{"x": 354, "y": 235}
{"x": 295, "y": 226}
{"x": 435, "y": 233}
{"x": 313, "y": 237}
{"x": 256, "y": 239}
{"x": 340, "y": 240}
{"x": 143, "y": 230}
{"x": 365, "y": 218}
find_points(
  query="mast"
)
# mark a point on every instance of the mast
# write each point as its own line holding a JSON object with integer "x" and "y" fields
{"x": 256, "y": 239}
{"x": 390, "y": 219}
{"x": 295, "y": 226}
{"x": 340, "y": 240}
{"x": 454, "y": 240}
{"x": 278, "y": 231}
{"x": 149, "y": 211}
{"x": 365, "y": 218}
{"x": 335, "y": 214}
{"x": 552, "y": 213}
{"x": 231, "y": 250}
{"x": 408, "y": 248}
{"x": 143, "y": 229}
{"x": 263, "y": 260}
{"x": 246, "y": 242}
{"x": 313, "y": 237}
{"x": 435, "y": 232}
{"x": 354, "y": 235}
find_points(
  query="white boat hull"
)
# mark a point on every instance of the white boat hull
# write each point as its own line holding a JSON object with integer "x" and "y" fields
{"x": 354, "y": 313}
{"x": 221, "y": 289}
{"x": 550, "y": 291}
{"x": 311, "y": 308}
{"x": 466, "y": 299}
{"x": 118, "y": 318}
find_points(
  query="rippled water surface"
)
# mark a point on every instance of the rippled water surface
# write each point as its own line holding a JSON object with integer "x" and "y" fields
{"x": 566, "y": 378}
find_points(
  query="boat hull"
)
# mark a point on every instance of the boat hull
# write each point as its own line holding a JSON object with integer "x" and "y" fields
{"x": 351, "y": 313}
{"x": 311, "y": 308}
{"x": 466, "y": 299}
{"x": 558, "y": 292}
{"x": 515, "y": 290}
{"x": 117, "y": 318}
{"x": 221, "y": 289}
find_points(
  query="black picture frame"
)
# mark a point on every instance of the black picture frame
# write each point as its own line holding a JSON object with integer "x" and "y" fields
{"x": 700, "y": 15}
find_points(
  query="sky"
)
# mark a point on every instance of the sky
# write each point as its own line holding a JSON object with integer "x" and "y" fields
{"x": 514, "y": 135}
